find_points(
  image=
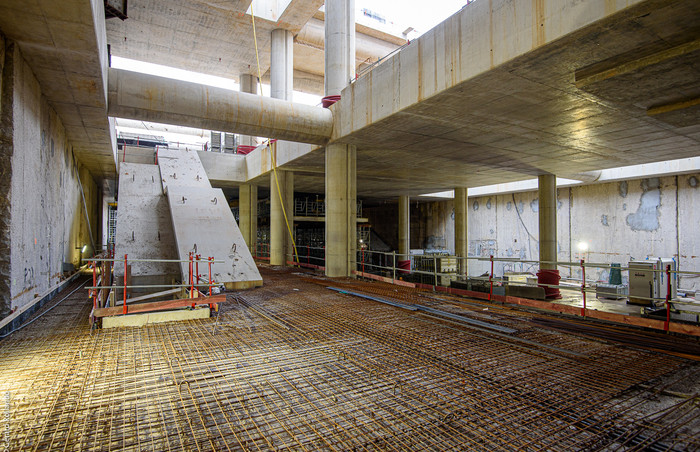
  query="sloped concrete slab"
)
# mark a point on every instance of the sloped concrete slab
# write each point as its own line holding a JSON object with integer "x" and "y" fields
{"x": 203, "y": 222}
{"x": 144, "y": 226}
{"x": 181, "y": 169}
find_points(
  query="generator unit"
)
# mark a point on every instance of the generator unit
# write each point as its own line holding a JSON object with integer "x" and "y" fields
{"x": 648, "y": 279}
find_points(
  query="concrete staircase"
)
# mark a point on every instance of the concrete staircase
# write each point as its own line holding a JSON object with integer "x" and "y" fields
{"x": 203, "y": 223}
{"x": 170, "y": 210}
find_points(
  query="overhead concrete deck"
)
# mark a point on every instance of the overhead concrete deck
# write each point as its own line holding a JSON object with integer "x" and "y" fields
{"x": 483, "y": 97}
{"x": 216, "y": 37}
{"x": 504, "y": 91}
{"x": 66, "y": 46}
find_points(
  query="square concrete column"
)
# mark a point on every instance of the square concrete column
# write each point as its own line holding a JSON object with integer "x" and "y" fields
{"x": 281, "y": 214}
{"x": 461, "y": 227}
{"x": 249, "y": 84}
{"x": 404, "y": 227}
{"x": 547, "y": 192}
{"x": 341, "y": 210}
{"x": 248, "y": 214}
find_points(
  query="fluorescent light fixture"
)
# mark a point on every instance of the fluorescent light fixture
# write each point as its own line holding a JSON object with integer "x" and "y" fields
{"x": 84, "y": 249}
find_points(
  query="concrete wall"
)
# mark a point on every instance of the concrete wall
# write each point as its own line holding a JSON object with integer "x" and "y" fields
{"x": 43, "y": 222}
{"x": 618, "y": 221}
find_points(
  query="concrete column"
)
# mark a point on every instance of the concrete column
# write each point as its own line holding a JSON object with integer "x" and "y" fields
{"x": 547, "y": 191}
{"x": 282, "y": 65}
{"x": 461, "y": 222}
{"x": 248, "y": 214}
{"x": 281, "y": 87}
{"x": 340, "y": 45}
{"x": 341, "y": 209}
{"x": 404, "y": 227}
{"x": 249, "y": 84}
{"x": 341, "y": 177}
{"x": 280, "y": 242}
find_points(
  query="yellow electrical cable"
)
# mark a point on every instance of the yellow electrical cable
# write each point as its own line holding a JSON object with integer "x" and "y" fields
{"x": 272, "y": 158}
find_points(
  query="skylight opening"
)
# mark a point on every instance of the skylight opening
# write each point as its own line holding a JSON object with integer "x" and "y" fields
{"x": 270, "y": 10}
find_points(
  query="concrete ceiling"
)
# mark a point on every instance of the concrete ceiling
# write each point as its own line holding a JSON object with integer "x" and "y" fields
{"x": 216, "y": 37}
{"x": 64, "y": 44}
{"x": 621, "y": 91}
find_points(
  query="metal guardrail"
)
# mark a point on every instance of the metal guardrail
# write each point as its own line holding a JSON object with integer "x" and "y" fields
{"x": 103, "y": 282}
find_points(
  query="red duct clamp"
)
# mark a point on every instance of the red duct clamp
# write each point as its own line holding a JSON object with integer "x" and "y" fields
{"x": 245, "y": 149}
{"x": 329, "y": 100}
{"x": 547, "y": 278}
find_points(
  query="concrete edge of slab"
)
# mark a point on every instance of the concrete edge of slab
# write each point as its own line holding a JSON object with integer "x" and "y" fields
{"x": 138, "y": 320}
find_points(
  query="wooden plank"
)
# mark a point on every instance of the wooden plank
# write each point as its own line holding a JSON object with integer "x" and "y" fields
{"x": 138, "y": 320}
{"x": 158, "y": 305}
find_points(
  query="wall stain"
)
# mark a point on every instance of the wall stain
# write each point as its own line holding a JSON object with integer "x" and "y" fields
{"x": 538, "y": 18}
{"x": 535, "y": 205}
{"x": 646, "y": 218}
{"x": 623, "y": 189}
{"x": 604, "y": 220}
{"x": 693, "y": 181}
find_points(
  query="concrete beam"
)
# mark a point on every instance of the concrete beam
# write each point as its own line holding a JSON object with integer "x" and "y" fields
{"x": 150, "y": 98}
{"x": 585, "y": 78}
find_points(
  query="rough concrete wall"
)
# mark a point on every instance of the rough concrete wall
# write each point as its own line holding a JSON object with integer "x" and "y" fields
{"x": 47, "y": 224}
{"x": 688, "y": 227}
{"x": 617, "y": 221}
{"x": 436, "y": 227}
{"x": 385, "y": 222}
{"x": 6, "y": 150}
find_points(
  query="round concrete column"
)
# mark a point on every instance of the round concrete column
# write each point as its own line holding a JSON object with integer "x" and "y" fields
{"x": 280, "y": 242}
{"x": 341, "y": 210}
{"x": 341, "y": 178}
{"x": 404, "y": 227}
{"x": 248, "y": 214}
{"x": 340, "y": 45}
{"x": 547, "y": 191}
{"x": 461, "y": 222}
{"x": 281, "y": 64}
{"x": 249, "y": 84}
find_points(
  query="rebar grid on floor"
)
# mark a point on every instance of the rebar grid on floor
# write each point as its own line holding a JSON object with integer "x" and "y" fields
{"x": 295, "y": 366}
